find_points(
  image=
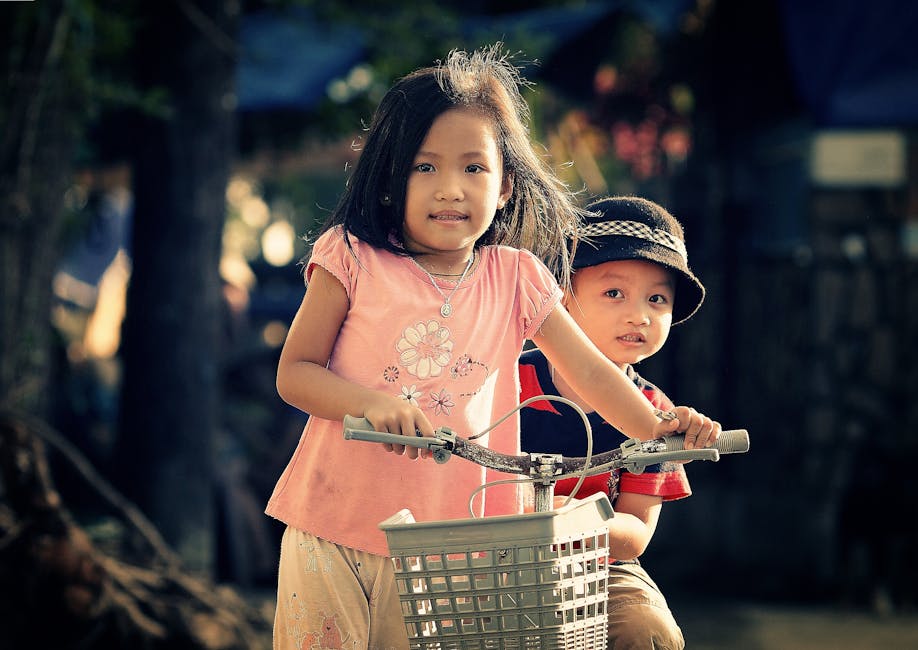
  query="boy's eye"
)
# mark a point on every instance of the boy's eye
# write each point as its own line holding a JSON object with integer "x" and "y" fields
{"x": 614, "y": 293}
{"x": 424, "y": 168}
{"x": 659, "y": 299}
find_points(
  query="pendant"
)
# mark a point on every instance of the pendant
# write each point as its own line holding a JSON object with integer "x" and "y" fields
{"x": 446, "y": 310}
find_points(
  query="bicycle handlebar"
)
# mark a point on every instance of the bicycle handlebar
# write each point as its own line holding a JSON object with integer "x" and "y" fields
{"x": 634, "y": 455}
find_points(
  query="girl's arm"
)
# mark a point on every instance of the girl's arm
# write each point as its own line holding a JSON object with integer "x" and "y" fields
{"x": 596, "y": 379}
{"x": 304, "y": 381}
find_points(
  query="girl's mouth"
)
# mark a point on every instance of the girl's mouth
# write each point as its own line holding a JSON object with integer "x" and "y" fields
{"x": 448, "y": 216}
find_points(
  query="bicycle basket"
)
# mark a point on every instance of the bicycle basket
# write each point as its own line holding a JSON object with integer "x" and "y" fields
{"x": 531, "y": 581}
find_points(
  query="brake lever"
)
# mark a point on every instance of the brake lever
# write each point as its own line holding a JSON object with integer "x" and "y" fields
{"x": 637, "y": 462}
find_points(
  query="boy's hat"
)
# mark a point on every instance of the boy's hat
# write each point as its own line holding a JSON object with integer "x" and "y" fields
{"x": 632, "y": 228}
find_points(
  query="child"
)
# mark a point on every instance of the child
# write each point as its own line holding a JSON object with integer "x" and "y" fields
{"x": 631, "y": 281}
{"x": 419, "y": 299}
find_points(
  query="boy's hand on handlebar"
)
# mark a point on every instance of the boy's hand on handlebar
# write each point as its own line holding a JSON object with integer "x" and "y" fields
{"x": 397, "y": 416}
{"x": 700, "y": 430}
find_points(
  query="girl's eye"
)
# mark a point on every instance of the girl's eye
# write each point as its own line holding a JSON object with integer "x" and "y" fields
{"x": 614, "y": 293}
{"x": 474, "y": 168}
{"x": 424, "y": 168}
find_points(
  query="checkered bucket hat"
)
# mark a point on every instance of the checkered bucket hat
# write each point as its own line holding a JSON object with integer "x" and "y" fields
{"x": 632, "y": 228}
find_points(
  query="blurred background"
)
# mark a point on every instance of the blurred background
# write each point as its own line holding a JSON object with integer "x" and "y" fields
{"x": 162, "y": 166}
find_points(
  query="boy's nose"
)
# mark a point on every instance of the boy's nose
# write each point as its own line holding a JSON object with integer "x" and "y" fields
{"x": 638, "y": 317}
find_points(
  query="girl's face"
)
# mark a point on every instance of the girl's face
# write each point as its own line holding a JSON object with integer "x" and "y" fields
{"x": 625, "y": 307}
{"x": 455, "y": 186}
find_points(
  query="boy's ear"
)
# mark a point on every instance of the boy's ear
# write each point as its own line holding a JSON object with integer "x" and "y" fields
{"x": 567, "y": 299}
{"x": 505, "y": 191}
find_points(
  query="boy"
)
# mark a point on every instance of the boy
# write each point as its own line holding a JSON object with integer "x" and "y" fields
{"x": 631, "y": 282}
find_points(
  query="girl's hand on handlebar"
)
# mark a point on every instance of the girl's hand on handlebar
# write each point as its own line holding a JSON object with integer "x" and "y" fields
{"x": 393, "y": 415}
{"x": 700, "y": 430}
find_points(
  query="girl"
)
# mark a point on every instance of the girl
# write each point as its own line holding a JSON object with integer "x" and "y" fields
{"x": 419, "y": 300}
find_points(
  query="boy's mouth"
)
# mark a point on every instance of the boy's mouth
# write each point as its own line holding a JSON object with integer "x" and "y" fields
{"x": 631, "y": 338}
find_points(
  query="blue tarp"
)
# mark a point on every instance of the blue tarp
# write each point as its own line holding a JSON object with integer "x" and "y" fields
{"x": 288, "y": 59}
{"x": 855, "y": 63}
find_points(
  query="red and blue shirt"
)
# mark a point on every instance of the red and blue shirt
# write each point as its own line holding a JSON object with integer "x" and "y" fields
{"x": 556, "y": 428}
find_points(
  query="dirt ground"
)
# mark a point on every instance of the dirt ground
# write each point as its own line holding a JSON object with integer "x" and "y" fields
{"x": 750, "y": 626}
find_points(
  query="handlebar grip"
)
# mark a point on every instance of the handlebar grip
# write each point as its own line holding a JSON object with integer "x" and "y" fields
{"x": 734, "y": 441}
{"x": 361, "y": 429}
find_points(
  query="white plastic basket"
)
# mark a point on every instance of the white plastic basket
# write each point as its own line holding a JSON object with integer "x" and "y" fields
{"x": 529, "y": 581}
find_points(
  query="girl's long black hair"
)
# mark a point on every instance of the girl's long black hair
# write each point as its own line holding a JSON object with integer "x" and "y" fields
{"x": 540, "y": 215}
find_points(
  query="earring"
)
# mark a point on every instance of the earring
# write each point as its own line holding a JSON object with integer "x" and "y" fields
{"x": 385, "y": 199}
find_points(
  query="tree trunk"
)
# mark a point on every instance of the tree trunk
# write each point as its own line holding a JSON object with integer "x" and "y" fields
{"x": 42, "y": 115}
{"x": 170, "y": 394}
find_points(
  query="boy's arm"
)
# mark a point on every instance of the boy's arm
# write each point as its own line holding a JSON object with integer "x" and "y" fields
{"x": 596, "y": 379}
{"x": 633, "y": 525}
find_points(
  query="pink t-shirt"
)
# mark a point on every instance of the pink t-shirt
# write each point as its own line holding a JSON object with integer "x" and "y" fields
{"x": 461, "y": 371}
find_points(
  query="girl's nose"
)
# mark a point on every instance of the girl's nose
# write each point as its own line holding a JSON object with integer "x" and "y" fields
{"x": 449, "y": 189}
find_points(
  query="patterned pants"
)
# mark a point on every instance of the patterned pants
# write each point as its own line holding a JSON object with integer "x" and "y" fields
{"x": 639, "y": 618}
{"x": 331, "y": 596}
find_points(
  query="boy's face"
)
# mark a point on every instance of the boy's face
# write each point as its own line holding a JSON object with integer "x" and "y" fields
{"x": 625, "y": 307}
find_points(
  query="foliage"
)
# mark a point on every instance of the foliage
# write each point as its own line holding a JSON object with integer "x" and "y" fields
{"x": 645, "y": 116}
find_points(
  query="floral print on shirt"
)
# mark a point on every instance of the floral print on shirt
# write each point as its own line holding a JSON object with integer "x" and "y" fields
{"x": 425, "y": 350}
{"x": 441, "y": 402}
{"x": 411, "y": 394}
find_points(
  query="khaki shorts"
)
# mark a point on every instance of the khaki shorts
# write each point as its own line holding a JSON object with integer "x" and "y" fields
{"x": 639, "y": 617}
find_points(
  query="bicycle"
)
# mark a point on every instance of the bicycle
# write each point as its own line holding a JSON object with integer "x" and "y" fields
{"x": 527, "y": 581}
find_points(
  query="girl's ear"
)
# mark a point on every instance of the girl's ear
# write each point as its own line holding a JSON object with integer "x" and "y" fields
{"x": 506, "y": 191}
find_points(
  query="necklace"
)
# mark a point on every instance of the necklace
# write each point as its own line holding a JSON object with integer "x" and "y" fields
{"x": 446, "y": 275}
{"x": 446, "y": 309}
